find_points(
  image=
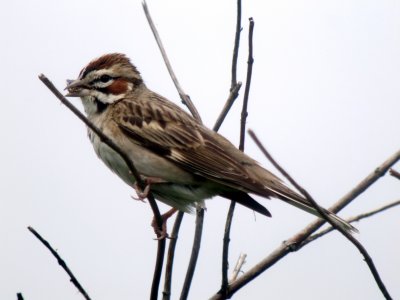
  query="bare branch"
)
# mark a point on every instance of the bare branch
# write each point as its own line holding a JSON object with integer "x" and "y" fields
{"x": 238, "y": 267}
{"x": 394, "y": 173}
{"x": 107, "y": 140}
{"x": 351, "y": 220}
{"x": 236, "y": 44}
{"x": 185, "y": 98}
{"x": 228, "y": 104}
{"x": 61, "y": 262}
{"x": 19, "y": 296}
{"x": 294, "y": 243}
{"x": 250, "y": 61}
{"x": 170, "y": 256}
{"x": 324, "y": 215}
{"x": 229, "y": 218}
{"x": 188, "y": 102}
{"x": 194, "y": 256}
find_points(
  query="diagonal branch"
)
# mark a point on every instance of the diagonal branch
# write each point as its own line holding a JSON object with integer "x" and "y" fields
{"x": 107, "y": 140}
{"x": 61, "y": 262}
{"x": 394, "y": 173}
{"x": 294, "y": 243}
{"x": 351, "y": 238}
{"x": 351, "y": 220}
{"x": 185, "y": 98}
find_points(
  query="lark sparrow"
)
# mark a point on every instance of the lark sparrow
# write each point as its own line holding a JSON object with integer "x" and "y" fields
{"x": 186, "y": 161}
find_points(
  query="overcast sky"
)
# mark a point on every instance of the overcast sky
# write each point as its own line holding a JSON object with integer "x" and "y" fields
{"x": 324, "y": 100}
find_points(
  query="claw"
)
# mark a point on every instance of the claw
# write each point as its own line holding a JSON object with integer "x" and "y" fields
{"x": 141, "y": 195}
{"x": 162, "y": 233}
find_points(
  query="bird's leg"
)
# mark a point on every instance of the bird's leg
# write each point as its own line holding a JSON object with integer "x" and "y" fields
{"x": 142, "y": 194}
{"x": 162, "y": 234}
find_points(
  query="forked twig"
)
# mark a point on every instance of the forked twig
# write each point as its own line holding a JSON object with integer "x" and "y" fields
{"x": 107, "y": 140}
{"x": 352, "y": 239}
{"x": 351, "y": 220}
{"x": 61, "y": 262}
{"x": 294, "y": 243}
{"x": 229, "y": 218}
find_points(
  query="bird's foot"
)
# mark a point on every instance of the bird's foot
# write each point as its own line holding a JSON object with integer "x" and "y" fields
{"x": 162, "y": 232}
{"x": 142, "y": 194}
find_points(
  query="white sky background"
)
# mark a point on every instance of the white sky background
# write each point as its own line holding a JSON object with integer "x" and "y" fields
{"x": 324, "y": 100}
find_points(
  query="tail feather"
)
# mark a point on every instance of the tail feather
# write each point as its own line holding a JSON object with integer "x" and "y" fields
{"x": 245, "y": 200}
{"x": 302, "y": 204}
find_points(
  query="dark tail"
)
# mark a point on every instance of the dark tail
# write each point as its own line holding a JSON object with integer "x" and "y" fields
{"x": 245, "y": 200}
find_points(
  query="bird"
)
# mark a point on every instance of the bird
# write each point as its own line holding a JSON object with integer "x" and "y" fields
{"x": 182, "y": 161}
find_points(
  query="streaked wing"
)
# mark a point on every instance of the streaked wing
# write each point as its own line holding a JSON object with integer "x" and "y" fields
{"x": 164, "y": 128}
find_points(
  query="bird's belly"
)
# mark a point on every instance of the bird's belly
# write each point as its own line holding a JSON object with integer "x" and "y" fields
{"x": 146, "y": 162}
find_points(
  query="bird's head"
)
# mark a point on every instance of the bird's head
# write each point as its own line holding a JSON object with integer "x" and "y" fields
{"x": 104, "y": 81}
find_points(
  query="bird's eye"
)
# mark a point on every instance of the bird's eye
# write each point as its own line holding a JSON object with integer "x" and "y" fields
{"x": 105, "y": 78}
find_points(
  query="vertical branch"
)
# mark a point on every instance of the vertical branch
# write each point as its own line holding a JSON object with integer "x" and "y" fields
{"x": 229, "y": 218}
{"x": 236, "y": 44}
{"x": 170, "y": 256}
{"x": 187, "y": 101}
{"x": 194, "y": 255}
{"x": 247, "y": 88}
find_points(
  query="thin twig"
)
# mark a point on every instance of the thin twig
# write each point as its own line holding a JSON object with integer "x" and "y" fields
{"x": 238, "y": 267}
{"x": 61, "y": 262}
{"x": 394, "y": 173}
{"x": 170, "y": 256}
{"x": 225, "y": 248}
{"x": 324, "y": 215}
{"x": 234, "y": 93}
{"x": 185, "y": 98}
{"x": 107, "y": 140}
{"x": 294, "y": 243}
{"x": 250, "y": 61}
{"x": 351, "y": 220}
{"x": 194, "y": 255}
{"x": 236, "y": 44}
{"x": 229, "y": 218}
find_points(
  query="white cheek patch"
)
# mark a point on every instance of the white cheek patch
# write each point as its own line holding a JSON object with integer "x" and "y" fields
{"x": 106, "y": 98}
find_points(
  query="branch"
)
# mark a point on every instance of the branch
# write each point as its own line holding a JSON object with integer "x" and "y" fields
{"x": 187, "y": 101}
{"x": 324, "y": 214}
{"x": 238, "y": 268}
{"x": 107, "y": 140}
{"x": 61, "y": 262}
{"x": 185, "y": 98}
{"x": 351, "y": 220}
{"x": 394, "y": 173}
{"x": 236, "y": 44}
{"x": 229, "y": 218}
{"x": 19, "y": 296}
{"x": 194, "y": 255}
{"x": 170, "y": 256}
{"x": 228, "y": 104}
{"x": 294, "y": 243}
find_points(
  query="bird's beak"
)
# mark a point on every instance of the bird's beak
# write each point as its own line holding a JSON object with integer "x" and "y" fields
{"x": 74, "y": 88}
